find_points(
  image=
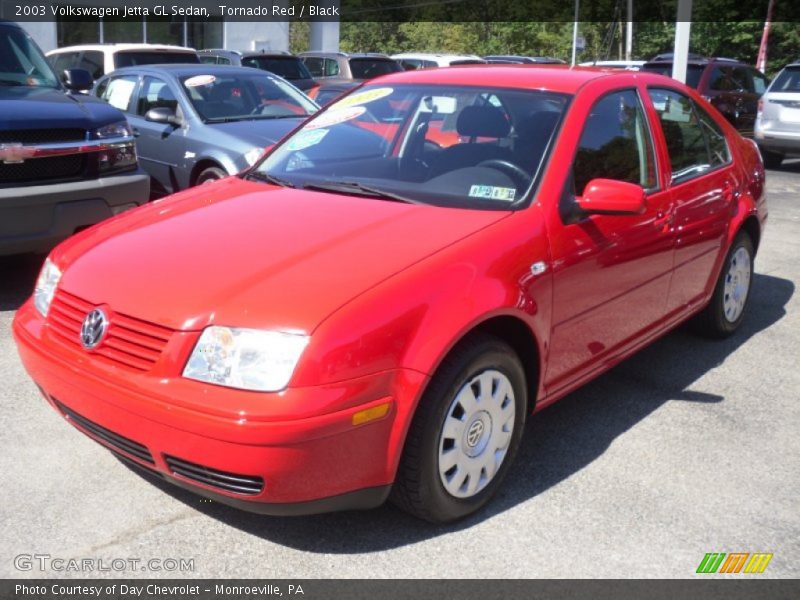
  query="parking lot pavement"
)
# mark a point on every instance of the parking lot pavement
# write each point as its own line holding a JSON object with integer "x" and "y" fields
{"x": 687, "y": 448}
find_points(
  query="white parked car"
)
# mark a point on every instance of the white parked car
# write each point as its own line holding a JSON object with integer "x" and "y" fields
{"x": 100, "y": 59}
{"x": 631, "y": 65}
{"x": 416, "y": 60}
{"x": 777, "y": 129}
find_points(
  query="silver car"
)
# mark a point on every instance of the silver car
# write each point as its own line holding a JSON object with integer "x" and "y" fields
{"x": 777, "y": 130}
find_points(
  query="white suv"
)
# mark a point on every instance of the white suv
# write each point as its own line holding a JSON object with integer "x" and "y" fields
{"x": 100, "y": 59}
{"x": 415, "y": 60}
{"x": 777, "y": 129}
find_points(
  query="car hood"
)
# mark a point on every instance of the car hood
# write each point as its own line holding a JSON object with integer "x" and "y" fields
{"x": 263, "y": 132}
{"x": 249, "y": 254}
{"x": 23, "y": 107}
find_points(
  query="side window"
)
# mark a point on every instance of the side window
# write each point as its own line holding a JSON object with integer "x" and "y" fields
{"x": 721, "y": 80}
{"x": 314, "y": 65}
{"x": 155, "y": 93}
{"x": 759, "y": 82}
{"x": 92, "y": 61}
{"x": 615, "y": 143}
{"x": 331, "y": 67}
{"x": 221, "y": 60}
{"x": 118, "y": 91}
{"x": 685, "y": 134}
{"x": 717, "y": 144}
{"x": 742, "y": 81}
{"x": 208, "y": 59}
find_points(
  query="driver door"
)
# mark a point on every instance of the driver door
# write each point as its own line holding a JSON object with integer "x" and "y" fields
{"x": 611, "y": 272}
{"x": 161, "y": 147}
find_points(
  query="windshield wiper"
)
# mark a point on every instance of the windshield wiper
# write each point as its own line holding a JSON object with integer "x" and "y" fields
{"x": 354, "y": 187}
{"x": 259, "y": 176}
{"x": 252, "y": 118}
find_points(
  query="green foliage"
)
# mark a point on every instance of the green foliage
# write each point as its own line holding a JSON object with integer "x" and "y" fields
{"x": 738, "y": 39}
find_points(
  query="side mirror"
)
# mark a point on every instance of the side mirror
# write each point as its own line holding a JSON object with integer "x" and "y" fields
{"x": 78, "y": 80}
{"x": 611, "y": 197}
{"x": 163, "y": 115}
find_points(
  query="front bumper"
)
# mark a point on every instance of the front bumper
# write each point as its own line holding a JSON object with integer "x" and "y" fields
{"x": 35, "y": 218}
{"x": 312, "y": 464}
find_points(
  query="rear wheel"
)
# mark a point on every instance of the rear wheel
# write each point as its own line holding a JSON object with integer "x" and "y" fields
{"x": 772, "y": 160}
{"x": 725, "y": 313}
{"x": 465, "y": 433}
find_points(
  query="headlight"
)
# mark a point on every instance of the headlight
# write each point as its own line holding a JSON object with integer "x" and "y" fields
{"x": 248, "y": 359}
{"x": 46, "y": 286}
{"x": 253, "y": 155}
{"x": 112, "y": 130}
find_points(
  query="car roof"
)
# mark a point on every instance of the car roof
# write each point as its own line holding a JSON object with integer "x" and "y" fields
{"x": 248, "y": 53}
{"x": 424, "y": 55}
{"x": 697, "y": 60}
{"x": 321, "y": 54}
{"x": 178, "y": 70}
{"x": 123, "y": 48}
{"x": 557, "y": 78}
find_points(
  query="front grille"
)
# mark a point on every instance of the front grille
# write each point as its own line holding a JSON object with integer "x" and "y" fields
{"x": 230, "y": 482}
{"x": 48, "y": 168}
{"x": 122, "y": 444}
{"x": 42, "y": 136}
{"x": 129, "y": 342}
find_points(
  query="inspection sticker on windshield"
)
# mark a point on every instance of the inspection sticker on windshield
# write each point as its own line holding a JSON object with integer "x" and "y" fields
{"x": 334, "y": 116}
{"x": 364, "y": 97}
{"x": 306, "y": 139}
{"x": 199, "y": 81}
{"x": 491, "y": 192}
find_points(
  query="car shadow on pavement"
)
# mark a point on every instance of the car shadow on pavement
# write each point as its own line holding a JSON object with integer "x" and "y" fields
{"x": 17, "y": 277}
{"x": 559, "y": 442}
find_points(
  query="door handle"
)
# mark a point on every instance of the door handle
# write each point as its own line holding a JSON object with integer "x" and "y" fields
{"x": 664, "y": 217}
{"x": 136, "y": 132}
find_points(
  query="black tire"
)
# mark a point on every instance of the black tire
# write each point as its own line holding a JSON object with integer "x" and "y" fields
{"x": 418, "y": 488}
{"x": 772, "y": 160}
{"x": 712, "y": 321}
{"x": 210, "y": 174}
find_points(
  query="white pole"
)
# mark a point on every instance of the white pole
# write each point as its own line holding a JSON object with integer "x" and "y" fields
{"x": 575, "y": 32}
{"x": 683, "y": 28}
{"x": 629, "y": 32}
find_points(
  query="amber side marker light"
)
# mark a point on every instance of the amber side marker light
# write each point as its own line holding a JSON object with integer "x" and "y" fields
{"x": 370, "y": 414}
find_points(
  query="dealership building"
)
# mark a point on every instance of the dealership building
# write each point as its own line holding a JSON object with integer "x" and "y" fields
{"x": 180, "y": 31}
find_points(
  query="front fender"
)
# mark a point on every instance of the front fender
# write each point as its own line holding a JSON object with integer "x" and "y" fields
{"x": 414, "y": 318}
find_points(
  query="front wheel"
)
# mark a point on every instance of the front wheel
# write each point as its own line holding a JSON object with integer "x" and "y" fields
{"x": 465, "y": 432}
{"x": 725, "y": 313}
{"x": 210, "y": 175}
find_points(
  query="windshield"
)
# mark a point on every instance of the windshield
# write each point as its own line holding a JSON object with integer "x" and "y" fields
{"x": 238, "y": 97}
{"x": 693, "y": 72}
{"x": 787, "y": 80}
{"x": 290, "y": 68}
{"x": 153, "y": 57}
{"x": 368, "y": 68}
{"x": 21, "y": 61}
{"x": 445, "y": 145}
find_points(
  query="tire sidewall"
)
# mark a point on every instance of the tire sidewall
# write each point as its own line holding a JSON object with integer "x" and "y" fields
{"x": 496, "y": 356}
{"x": 726, "y": 326}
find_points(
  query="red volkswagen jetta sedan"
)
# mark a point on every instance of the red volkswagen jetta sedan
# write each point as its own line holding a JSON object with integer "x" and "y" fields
{"x": 368, "y": 314}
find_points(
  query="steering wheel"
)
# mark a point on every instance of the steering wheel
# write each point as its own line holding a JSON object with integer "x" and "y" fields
{"x": 516, "y": 173}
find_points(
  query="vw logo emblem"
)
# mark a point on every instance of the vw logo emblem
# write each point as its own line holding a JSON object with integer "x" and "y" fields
{"x": 474, "y": 434}
{"x": 94, "y": 328}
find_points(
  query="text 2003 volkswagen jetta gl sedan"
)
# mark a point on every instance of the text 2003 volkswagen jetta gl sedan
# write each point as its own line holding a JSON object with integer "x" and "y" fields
{"x": 374, "y": 308}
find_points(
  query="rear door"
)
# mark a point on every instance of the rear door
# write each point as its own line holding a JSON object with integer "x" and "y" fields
{"x": 702, "y": 186}
{"x": 611, "y": 272}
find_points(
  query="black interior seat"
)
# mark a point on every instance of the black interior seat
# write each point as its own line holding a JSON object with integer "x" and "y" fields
{"x": 475, "y": 122}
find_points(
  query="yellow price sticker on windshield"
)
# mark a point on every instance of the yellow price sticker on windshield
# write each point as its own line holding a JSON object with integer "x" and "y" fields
{"x": 363, "y": 97}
